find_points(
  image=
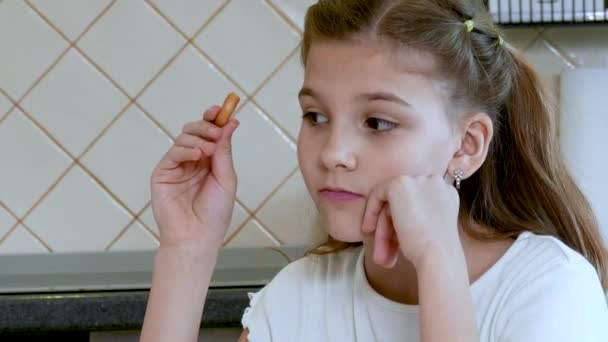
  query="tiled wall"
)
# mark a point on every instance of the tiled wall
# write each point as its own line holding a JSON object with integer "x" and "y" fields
{"x": 93, "y": 92}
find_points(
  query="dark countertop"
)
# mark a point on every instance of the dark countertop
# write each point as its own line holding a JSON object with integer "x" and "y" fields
{"x": 108, "y": 310}
{"x": 109, "y": 290}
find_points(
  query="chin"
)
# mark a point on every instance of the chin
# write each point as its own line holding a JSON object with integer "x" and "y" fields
{"x": 342, "y": 227}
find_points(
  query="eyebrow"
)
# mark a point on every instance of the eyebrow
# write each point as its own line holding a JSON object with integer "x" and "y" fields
{"x": 376, "y": 96}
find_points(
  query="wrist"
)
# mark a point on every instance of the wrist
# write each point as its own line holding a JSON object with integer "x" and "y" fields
{"x": 440, "y": 256}
{"x": 187, "y": 257}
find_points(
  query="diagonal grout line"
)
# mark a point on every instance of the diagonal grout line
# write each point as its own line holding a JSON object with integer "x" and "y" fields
{"x": 44, "y": 74}
{"x": 43, "y": 129}
{"x": 176, "y": 28}
{"x": 531, "y": 42}
{"x": 70, "y": 43}
{"x": 249, "y": 98}
{"x": 41, "y": 198}
{"x": 95, "y": 20}
{"x": 14, "y": 226}
{"x": 124, "y": 230}
{"x": 284, "y": 16}
{"x": 275, "y": 71}
{"x": 56, "y": 28}
{"x": 219, "y": 69}
{"x": 133, "y": 100}
{"x": 37, "y": 237}
{"x": 155, "y": 121}
{"x": 116, "y": 84}
{"x": 76, "y": 161}
{"x": 141, "y": 221}
{"x": 160, "y": 72}
{"x": 5, "y": 207}
{"x": 8, "y": 232}
{"x": 211, "y": 18}
{"x": 3, "y": 116}
{"x": 558, "y": 51}
{"x": 104, "y": 187}
{"x": 276, "y": 123}
{"x": 119, "y": 235}
{"x": 259, "y": 207}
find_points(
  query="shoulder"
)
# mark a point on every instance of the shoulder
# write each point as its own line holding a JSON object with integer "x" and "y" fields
{"x": 312, "y": 271}
{"x": 553, "y": 291}
{"x": 538, "y": 257}
{"x": 283, "y": 301}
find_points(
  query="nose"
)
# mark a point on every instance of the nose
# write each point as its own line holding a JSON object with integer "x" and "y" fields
{"x": 338, "y": 152}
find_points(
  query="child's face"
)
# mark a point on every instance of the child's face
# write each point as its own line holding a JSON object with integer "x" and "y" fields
{"x": 359, "y": 133}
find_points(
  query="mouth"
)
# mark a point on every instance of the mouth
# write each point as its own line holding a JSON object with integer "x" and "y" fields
{"x": 339, "y": 195}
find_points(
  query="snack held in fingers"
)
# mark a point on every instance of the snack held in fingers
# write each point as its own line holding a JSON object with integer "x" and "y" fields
{"x": 230, "y": 103}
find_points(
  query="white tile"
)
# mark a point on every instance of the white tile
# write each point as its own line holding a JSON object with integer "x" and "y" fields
{"x": 239, "y": 215}
{"x": 31, "y": 163}
{"x": 7, "y": 221}
{"x": 74, "y": 102}
{"x": 521, "y": 38}
{"x": 252, "y": 235}
{"x": 77, "y": 215}
{"x": 5, "y": 105}
{"x": 70, "y": 16}
{"x": 185, "y": 90}
{"x": 147, "y": 217}
{"x": 124, "y": 157}
{"x": 136, "y": 238}
{"x": 29, "y": 46}
{"x": 263, "y": 157}
{"x": 188, "y": 15}
{"x": 280, "y": 96}
{"x": 20, "y": 241}
{"x": 248, "y": 40}
{"x": 291, "y": 214}
{"x": 131, "y": 43}
{"x": 295, "y": 9}
{"x": 586, "y": 46}
{"x": 548, "y": 64}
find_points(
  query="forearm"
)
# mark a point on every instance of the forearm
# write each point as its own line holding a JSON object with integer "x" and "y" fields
{"x": 446, "y": 306}
{"x": 180, "y": 281}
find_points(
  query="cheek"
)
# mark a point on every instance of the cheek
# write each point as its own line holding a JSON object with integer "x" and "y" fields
{"x": 415, "y": 156}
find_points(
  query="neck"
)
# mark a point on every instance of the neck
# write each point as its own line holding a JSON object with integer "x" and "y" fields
{"x": 400, "y": 283}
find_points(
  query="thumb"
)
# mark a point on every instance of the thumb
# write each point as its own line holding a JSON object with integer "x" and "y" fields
{"x": 222, "y": 164}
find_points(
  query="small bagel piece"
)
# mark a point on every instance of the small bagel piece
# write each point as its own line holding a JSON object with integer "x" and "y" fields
{"x": 230, "y": 103}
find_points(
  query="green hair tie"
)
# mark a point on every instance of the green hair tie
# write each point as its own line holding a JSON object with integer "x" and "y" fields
{"x": 470, "y": 25}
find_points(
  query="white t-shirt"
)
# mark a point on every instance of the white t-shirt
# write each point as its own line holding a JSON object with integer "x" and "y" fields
{"x": 539, "y": 290}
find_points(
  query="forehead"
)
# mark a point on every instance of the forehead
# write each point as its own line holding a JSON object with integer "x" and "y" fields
{"x": 352, "y": 66}
{"x": 376, "y": 57}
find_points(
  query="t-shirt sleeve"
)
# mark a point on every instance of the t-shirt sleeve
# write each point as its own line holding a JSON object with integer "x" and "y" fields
{"x": 563, "y": 303}
{"x": 275, "y": 311}
{"x": 255, "y": 318}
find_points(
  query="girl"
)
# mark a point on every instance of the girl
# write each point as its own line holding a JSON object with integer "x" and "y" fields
{"x": 429, "y": 149}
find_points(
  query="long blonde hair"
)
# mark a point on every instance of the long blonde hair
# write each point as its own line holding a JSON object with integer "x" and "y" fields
{"x": 523, "y": 185}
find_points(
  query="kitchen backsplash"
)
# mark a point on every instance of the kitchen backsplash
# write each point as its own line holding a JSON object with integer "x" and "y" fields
{"x": 93, "y": 92}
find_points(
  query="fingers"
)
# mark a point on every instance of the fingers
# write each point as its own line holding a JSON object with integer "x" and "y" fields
{"x": 191, "y": 141}
{"x": 222, "y": 162}
{"x": 211, "y": 113}
{"x": 203, "y": 129}
{"x": 386, "y": 245}
{"x": 180, "y": 154}
{"x": 373, "y": 207}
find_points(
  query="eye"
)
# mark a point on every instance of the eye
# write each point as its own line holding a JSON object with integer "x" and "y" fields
{"x": 380, "y": 124}
{"x": 314, "y": 118}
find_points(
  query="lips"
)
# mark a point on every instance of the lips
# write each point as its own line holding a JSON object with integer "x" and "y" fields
{"x": 339, "y": 194}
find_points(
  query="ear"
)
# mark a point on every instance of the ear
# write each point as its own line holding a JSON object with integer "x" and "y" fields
{"x": 476, "y": 132}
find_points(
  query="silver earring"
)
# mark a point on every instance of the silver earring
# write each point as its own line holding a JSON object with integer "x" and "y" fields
{"x": 458, "y": 174}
